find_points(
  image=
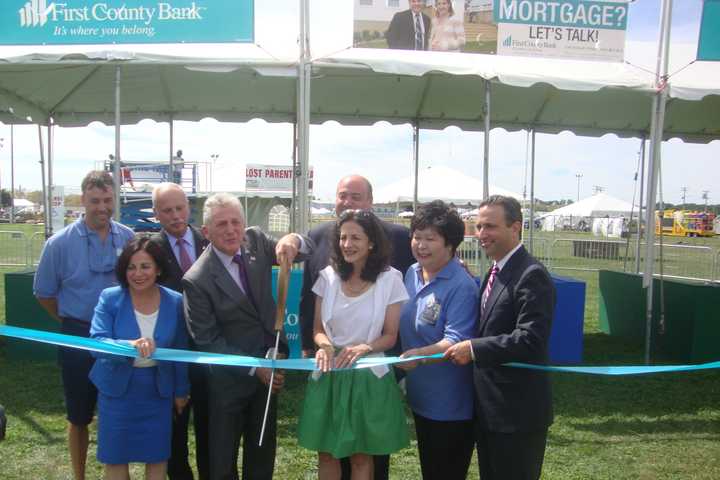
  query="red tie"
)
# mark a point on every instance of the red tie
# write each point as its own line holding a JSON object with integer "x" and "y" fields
{"x": 185, "y": 262}
{"x": 488, "y": 288}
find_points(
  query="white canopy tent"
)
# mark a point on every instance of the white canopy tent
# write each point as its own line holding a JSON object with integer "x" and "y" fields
{"x": 355, "y": 86}
{"x": 583, "y": 212}
{"x": 438, "y": 183}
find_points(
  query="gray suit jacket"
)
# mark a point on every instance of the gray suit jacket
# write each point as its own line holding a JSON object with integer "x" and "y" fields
{"x": 220, "y": 317}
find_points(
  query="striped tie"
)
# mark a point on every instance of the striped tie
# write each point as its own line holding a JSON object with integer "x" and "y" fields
{"x": 488, "y": 288}
{"x": 419, "y": 44}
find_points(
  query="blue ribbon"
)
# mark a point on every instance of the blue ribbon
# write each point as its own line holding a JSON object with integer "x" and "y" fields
{"x": 122, "y": 347}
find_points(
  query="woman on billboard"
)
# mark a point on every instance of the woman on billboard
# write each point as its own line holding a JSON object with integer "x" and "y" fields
{"x": 447, "y": 31}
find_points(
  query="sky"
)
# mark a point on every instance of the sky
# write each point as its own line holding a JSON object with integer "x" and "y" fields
{"x": 383, "y": 152}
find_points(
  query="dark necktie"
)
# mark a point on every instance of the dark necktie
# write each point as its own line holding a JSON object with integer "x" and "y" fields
{"x": 418, "y": 33}
{"x": 488, "y": 288}
{"x": 237, "y": 259}
{"x": 185, "y": 262}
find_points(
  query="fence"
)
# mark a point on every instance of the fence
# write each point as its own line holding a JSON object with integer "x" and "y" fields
{"x": 679, "y": 261}
{"x": 15, "y": 249}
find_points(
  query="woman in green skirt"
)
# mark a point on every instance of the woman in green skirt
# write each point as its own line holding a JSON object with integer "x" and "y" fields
{"x": 347, "y": 412}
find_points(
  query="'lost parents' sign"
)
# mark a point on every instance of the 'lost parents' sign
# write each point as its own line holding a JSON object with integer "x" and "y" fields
{"x": 40, "y": 22}
{"x": 579, "y": 29}
{"x": 271, "y": 178}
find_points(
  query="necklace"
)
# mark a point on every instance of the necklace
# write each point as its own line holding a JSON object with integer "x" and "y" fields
{"x": 356, "y": 290}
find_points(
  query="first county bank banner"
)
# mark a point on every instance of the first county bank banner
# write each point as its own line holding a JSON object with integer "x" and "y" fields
{"x": 580, "y": 29}
{"x": 43, "y": 22}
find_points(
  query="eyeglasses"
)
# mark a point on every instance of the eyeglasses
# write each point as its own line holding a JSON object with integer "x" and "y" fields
{"x": 356, "y": 213}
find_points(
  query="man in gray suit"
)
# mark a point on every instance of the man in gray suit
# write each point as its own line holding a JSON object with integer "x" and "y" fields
{"x": 230, "y": 309}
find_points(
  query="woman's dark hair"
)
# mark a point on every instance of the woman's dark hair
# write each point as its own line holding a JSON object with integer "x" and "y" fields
{"x": 440, "y": 217}
{"x": 379, "y": 257}
{"x": 135, "y": 245}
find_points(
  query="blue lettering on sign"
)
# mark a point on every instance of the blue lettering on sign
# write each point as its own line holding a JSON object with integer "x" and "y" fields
{"x": 563, "y": 13}
{"x": 28, "y": 22}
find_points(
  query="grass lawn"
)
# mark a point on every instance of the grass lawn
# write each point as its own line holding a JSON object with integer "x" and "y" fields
{"x": 641, "y": 427}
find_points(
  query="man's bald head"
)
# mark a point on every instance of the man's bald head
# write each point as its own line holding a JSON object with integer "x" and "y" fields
{"x": 353, "y": 192}
{"x": 171, "y": 208}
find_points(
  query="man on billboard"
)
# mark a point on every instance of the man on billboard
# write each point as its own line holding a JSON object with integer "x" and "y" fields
{"x": 409, "y": 29}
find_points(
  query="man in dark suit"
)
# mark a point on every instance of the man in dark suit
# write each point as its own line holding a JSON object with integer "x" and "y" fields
{"x": 230, "y": 309}
{"x": 353, "y": 192}
{"x": 409, "y": 29}
{"x": 183, "y": 244}
{"x": 513, "y": 405}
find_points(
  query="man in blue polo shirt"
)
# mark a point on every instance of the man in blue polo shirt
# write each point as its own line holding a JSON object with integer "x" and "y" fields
{"x": 76, "y": 264}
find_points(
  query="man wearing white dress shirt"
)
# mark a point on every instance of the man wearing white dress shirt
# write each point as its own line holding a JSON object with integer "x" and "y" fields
{"x": 183, "y": 244}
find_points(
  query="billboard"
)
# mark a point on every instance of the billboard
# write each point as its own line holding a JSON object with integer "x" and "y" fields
{"x": 709, "y": 42}
{"x": 72, "y": 22}
{"x": 577, "y": 29}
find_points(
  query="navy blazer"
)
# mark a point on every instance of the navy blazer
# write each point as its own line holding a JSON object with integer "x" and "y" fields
{"x": 114, "y": 319}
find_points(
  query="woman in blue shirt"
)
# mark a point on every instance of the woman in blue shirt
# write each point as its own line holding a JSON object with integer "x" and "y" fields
{"x": 442, "y": 311}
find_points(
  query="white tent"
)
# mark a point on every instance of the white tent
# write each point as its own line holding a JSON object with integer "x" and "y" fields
{"x": 320, "y": 211}
{"x": 438, "y": 183}
{"x": 580, "y": 214}
{"x": 23, "y": 203}
{"x": 355, "y": 86}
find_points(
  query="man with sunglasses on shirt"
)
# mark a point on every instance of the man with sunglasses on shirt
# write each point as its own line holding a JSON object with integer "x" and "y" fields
{"x": 354, "y": 192}
{"x": 76, "y": 264}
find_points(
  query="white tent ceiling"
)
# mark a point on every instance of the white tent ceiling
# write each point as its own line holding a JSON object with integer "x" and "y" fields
{"x": 354, "y": 86}
{"x": 438, "y": 183}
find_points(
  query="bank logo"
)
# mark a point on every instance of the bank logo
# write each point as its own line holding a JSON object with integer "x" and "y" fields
{"x": 507, "y": 42}
{"x": 35, "y": 13}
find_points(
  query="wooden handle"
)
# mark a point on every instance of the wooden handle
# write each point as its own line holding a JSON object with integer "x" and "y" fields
{"x": 282, "y": 290}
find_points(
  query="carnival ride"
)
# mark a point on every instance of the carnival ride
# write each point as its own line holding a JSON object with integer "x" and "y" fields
{"x": 684, "y": 223}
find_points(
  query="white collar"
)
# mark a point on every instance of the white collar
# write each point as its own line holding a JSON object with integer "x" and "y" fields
{"x": 505, "y": 259}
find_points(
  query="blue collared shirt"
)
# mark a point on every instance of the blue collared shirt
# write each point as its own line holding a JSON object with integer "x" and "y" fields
{"x": 445, "y": 308}
{"x": 75, "y": 266}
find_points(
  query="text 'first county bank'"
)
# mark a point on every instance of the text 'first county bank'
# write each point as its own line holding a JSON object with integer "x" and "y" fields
{"x": 103, "y": 12}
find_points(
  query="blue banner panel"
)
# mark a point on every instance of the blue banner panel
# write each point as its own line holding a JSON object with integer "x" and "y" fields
{"x": 75, "y": 22}
{"x": 709, "y": 42}
{"x": 603, "y": 15}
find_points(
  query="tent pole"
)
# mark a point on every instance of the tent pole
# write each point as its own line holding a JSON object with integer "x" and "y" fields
{"x": 303, "y": 118}
{"x": 42, "y": 179}
{"x": 656, "y": 137}
{"x": 50, "y": 175}
{"x": 116, "y": 164}
{"x": 532, "y": 192}
{"x": 416, "y": 162}
{"x": 293, "y": 205}
{"x": 640, "y": 206}
{"x": 486, "y": 142}
{"x": 12, "y": 173}
{"x": 171, "y": 169}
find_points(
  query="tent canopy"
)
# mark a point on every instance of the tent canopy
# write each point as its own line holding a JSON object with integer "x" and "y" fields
{"x": 182, "y": 82}
{"x": 23, "y": 203}
{"x": 354, "y": 87}
{"x": 438, "y": 183}
{"x": 599, "y": 205}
